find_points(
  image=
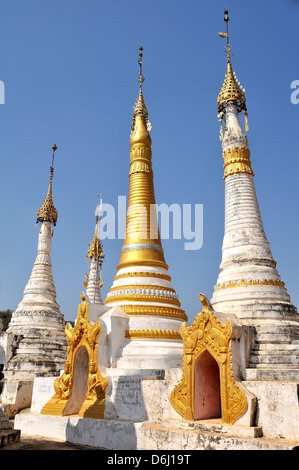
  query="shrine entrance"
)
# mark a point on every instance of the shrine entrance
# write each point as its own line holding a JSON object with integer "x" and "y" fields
{"x": 207, "y": 401}
{"x": 207, "y": 389}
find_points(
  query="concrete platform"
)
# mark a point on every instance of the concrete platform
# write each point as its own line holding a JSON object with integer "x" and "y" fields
{"x": 150, "y": 435}
{"x": 38, "y": 443}
{"x": 208, "y": 435}
{"x": 100, "y": 433}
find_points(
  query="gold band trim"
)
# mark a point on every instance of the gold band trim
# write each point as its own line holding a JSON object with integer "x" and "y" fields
{"x": 237, "y": 160}
{"x": 144, "y": 262}
{"x": 143, "y": 298}
{"x": 141, "y": 166}
{"x": 143, "y": 274}
{"x": 252, "y": 282}
{"x": 165, "y": 334}
{"x": 156, "y": 311}
{"x": 142, "y": 153}
{"x": 143, "y": 286}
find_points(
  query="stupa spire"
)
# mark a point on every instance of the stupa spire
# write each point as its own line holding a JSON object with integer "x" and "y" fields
{"x": 231, "y": 91}
{"x": 47, "y": 211}
{"x": 248, "y": 282}
{"x": 142, "y": 286}
{"x": 37, "y": 322}
{"x": 142, "y": 244}
{"x": 96, "y": 256}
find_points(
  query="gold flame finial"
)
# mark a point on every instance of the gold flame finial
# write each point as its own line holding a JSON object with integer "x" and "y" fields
{"x": 47, "y": 211}
{"x": 95, "y": 249}
{"x": 231, "y": 91}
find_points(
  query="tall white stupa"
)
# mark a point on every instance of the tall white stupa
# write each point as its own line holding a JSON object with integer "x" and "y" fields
{"x": 249, "y": 285}
{"x": 36, "y": 338}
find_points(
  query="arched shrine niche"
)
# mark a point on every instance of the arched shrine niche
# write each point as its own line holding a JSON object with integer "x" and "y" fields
{"x": 207, "y": 389}
{"x": 207, "y": 401}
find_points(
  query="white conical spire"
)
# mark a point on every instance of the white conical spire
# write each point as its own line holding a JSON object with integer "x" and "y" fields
{"x": 95, "y": 254}
{"x": 248, "y": 284}
{"x": 37, "y": 322}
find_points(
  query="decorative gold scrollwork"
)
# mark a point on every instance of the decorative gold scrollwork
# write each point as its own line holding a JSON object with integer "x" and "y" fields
{"x": 83, "y": 334}
{"x": 207, "y": 333}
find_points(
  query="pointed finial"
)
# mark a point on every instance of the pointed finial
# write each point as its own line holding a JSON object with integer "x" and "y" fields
{"x": 54, "y": 148}
{"x": 231, "y": 89}
{"x": 141, "y": 77}
{"x": 225, "y": 35}
{"x": 140, "y": 108}
{"x": 47, "y": 211}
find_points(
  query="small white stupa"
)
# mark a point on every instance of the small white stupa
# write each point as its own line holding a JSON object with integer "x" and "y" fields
{"x": 35, "y": 336}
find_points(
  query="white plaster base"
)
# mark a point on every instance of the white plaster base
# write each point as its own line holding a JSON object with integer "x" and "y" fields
{"x": 138, "y": 415}
{"x": 108, "y": 434}
{"x": 147, "y": 353}
{"x": 16, "y": 395}
{"x": 128, "y": 435}
{"x": 278, "y": 409}
{"x": 43, "y": 391}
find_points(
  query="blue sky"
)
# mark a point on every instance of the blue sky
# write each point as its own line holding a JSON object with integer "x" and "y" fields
{"x": 71, "y": 77}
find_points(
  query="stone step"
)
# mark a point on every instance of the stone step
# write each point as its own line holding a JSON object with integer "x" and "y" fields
{"x": 272, "y": 374}
{"x": 275, "y": 338}
{"x": 274, "y": 365}
{"x": 209, "y": 425}
{"x": 207, "y": 436}
{"x": 40, "y": 349}
{"x": 5, "y": 424}
{"x": 285, "y": 348}
{"x": 9, "y": 436}
{"x": 43, "y": 359}
{"x": 281, "y": 325}
{"x": 40, "y": 364}
{"x": 282, "y": 359}
{"x": 285, "y": 334}
{"x": 42, "y": 343}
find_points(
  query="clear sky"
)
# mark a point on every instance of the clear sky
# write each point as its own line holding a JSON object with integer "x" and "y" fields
{"x": 71, "y": 76}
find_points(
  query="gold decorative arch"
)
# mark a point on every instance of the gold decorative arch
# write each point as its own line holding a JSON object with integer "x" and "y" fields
{"x": 207, "y": 333}
{"x": 83, "y": 334}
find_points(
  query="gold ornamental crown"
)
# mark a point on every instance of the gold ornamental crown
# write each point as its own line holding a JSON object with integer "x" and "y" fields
{"x": 95, "y": 249}
{"x": 47, "y": 211}
{"x": 231, "y": 89}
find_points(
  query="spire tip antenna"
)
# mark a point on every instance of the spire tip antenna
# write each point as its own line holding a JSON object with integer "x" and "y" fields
{"x": 141, "y": 77}
{"x": 54, "y": 148}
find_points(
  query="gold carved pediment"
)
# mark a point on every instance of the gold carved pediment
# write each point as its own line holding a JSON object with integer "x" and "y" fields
{"x": 84, "y": 334}
{"x": 207, "y": 333}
